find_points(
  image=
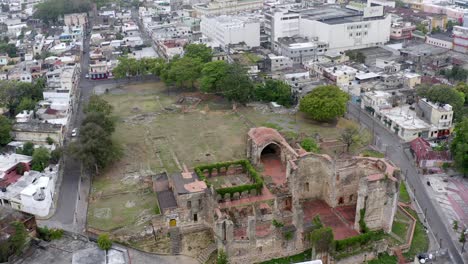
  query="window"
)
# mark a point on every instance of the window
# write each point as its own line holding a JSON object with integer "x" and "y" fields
{"x": 350, "y": 34}
{"x": 189, "y": 204}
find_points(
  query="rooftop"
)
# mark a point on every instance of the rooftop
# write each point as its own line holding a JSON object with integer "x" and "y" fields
{"x": 442, "y": 36}
{"x": 405, "y": 118}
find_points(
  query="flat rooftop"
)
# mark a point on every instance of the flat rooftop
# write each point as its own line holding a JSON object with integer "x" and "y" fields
{"x": 327, "y": 13}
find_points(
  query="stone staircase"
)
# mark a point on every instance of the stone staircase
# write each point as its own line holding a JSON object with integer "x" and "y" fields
{"x": 206, "y": 253}
{"x": 174, "y": 233}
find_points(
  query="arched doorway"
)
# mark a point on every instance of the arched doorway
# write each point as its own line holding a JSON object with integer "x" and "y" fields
{"x": 273, "y": 166}
{"x": 271, "y": 151}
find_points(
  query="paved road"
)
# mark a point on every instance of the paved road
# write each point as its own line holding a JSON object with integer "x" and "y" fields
{"x": 394, "y": 150}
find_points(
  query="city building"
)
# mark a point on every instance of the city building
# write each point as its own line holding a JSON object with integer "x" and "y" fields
{"x": 225, "y": 30}
{"x": 460, "y": 39}
{"x": 440, "y": 40}
{"x": 340, "y": 28}
{"x": 298, "y": 49}
{"x": 220, "y": 7}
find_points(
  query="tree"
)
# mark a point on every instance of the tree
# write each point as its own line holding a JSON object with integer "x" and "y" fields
{"x": 321, "y": 240}
{"x": 274, "y": 91}
{"x": 456, "y": 73}
{"x": 183, "y": 72}
{"x": 422, "y": 28}
{"x": 18, "y": 239}
{"x": 27, "y": 149}
{"x": 356, "y": 56}
{"x": 459, "y": 146}
{"x": 222, "y": 258}
{"x": 198, "y": 51}
{"x": 9, "y": 49}
{"x": 237, "y": 86}
{"x": 49, "y": 140}
{"x": 310, "y": 145}
{"x": 213, "y": 74}
{"x": 104, "y": 242}
{"x": 55, "y": 155}
{"x": 462, "y": 238}
{"x": 104, "y": 121}
{"x": 463, "y": 88}
{"x": 351, "y": 135}
{"x": 26, "y": 104}
{"x": 5, "y": 129}
{"x": 324, "y": 103}
{"x": 95, "y": 147}
{"x": 97, "y": 104}
{"x": 40, "y": 159}
{"x": 444, "y": 94}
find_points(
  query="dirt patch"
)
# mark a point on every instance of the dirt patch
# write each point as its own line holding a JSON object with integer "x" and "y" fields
{"x": 194, "y": 243}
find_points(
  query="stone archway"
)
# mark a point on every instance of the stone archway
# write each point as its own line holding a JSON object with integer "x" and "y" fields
{"x": 271, "y": 151}
{"x": 271, "y": 159}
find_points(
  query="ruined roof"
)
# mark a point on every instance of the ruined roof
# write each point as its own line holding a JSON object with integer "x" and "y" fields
{"x": 262, "y": 135}
{"x": 184, "y": 184}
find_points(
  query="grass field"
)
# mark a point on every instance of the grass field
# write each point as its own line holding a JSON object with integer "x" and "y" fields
{"x": 420, "y": 241}
{"x": 404, "y": 196}
{"x": 400, "y": 229}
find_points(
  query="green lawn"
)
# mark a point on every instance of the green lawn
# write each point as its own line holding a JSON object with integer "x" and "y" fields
{"x": 404, "y": 196}
{"x": 420, "y": 241}
{"x": 400, "y": 229}
{"x": 304, "y": 256}
{"x": 372, "y": 153}
{"x": 384, "y": 259}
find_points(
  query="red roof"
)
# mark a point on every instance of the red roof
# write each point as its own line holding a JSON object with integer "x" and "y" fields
{"x": 423, "y": 151}
{"x": 51, "y": 111}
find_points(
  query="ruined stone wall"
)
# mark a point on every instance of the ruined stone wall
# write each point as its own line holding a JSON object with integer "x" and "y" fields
{"x": 311, "y": 179}
{"x": 193, "y": 208}
{"x": 379, "y": 199}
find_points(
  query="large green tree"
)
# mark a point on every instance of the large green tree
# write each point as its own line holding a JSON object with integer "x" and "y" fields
{"x": 324, "y": 103}
{"x": 459, "y": 146}
{"x": 274, "y": 91}
{"x": 97, "y": 104}
{"x": 446, "y": 95}
{"x": 105, "y": 121}
{"x": 198, "y": 51}
{"x": 183, "y": 72}
{"x": 213, "y": 74}
{"x": 5, "y": 130}
{"x": 40, "y": 159}
{"x": 237, "y": 86}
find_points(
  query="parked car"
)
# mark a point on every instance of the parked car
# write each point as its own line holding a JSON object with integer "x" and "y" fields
{"x": 74, "y": 132}
{"x": 87, "y": 76}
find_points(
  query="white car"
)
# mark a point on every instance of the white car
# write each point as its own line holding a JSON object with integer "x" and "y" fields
{"x": 74, "y": 132}
{"x": 87, "y": 76}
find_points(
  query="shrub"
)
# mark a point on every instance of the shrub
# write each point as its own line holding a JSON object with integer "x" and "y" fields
{"x": 277, "y": 223}
{"x": 310, "y": 145}
{"x": 358, "y": 240}
{"x": 49, "y": 140}
{"x": 222, "y": 258}
{"x": 104, "y": 242}
{"x": 47, "y": 234}
{"x": 288, "y": 235}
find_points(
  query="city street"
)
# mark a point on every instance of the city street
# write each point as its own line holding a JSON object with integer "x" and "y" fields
{"x": 394, "y": 150}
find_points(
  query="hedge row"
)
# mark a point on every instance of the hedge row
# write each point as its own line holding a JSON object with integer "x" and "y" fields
{"x": 248, "y": 168}
{"x": 359, "y": 240}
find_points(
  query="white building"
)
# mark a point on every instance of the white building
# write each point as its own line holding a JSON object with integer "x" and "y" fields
{"x": 225, "y": 30}
{"x": 280, "y": 23}
{"x": 32, "y": 192}
{"x": 278, "y": 63}
{"x": 223, "y": 7}
{"x": 440, "y": 40}
{"x": 340, "y": 28}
